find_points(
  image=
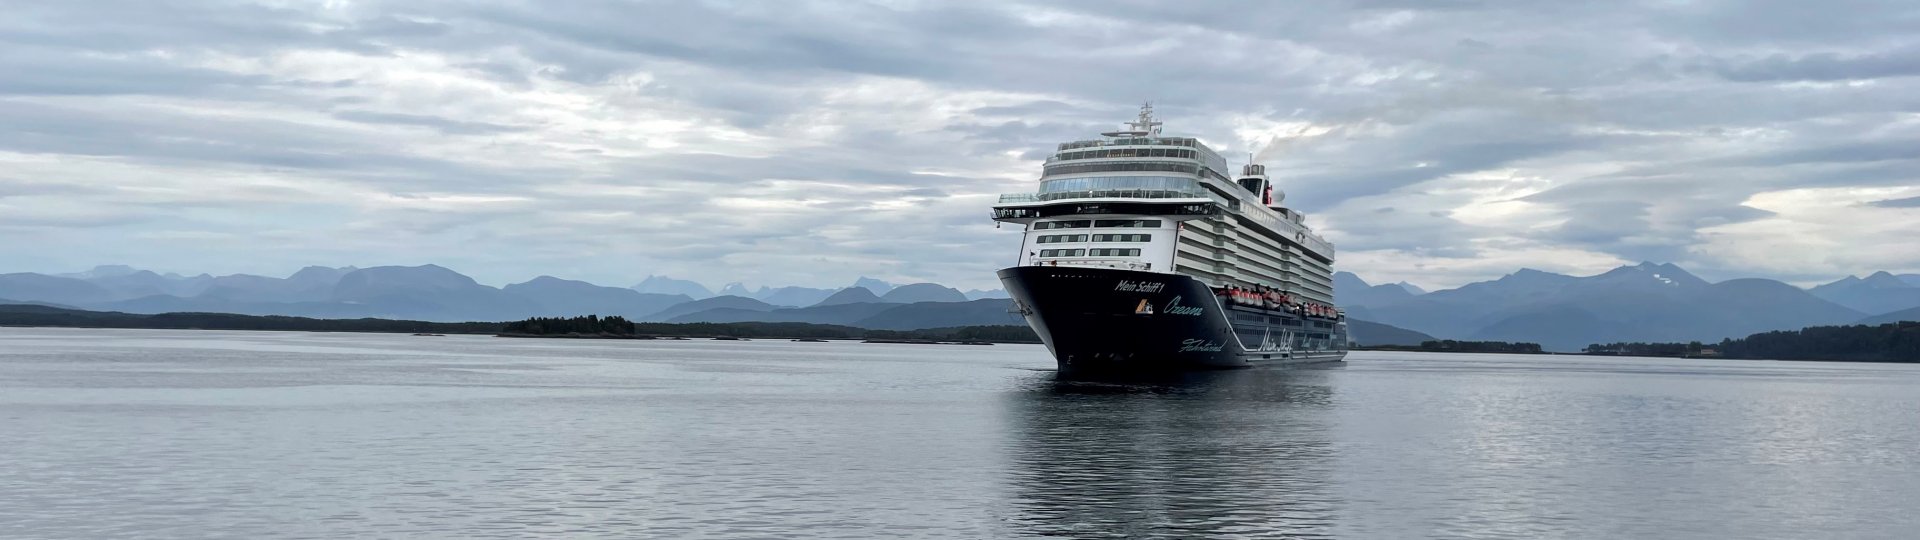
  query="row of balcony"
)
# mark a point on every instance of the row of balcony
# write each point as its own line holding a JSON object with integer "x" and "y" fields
{"x": 1010, "y": 198}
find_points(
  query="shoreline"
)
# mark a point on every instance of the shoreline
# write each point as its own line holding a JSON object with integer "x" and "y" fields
{"x": 37, "y": 316}
{"x": 801, "y": 339}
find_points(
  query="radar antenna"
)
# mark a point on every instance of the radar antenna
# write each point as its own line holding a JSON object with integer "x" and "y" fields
{"x": 1146, "y": 123}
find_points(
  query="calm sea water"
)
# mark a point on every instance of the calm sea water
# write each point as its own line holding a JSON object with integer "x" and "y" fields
{"x": 188, "y": 434}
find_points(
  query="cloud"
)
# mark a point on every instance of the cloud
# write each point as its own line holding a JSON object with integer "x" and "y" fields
{"x": 1822, "y": 67}
{"x": 440, "y": 124}
{"x": 812, "y": 142}
{"x": 1909, "y": 202}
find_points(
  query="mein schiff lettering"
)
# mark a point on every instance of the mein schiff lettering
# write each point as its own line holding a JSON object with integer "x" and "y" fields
{"x": 1148, "y": 287}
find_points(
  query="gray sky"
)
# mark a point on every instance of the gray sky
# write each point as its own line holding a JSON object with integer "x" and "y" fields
{"x": 1438, "y": 142}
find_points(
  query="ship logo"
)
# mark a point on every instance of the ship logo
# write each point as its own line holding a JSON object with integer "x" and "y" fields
{"x": 1144, "y": 308}
{"x": 1174, "y": 308}
{"x": 1201, "y": 345}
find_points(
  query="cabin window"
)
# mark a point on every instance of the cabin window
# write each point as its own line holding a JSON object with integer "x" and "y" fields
{"x": 1140, "y": 223}
{"x": 1058, "y": 238}
{"x": 1125, "y": 152}
{"x": 1071, "y": 224}
{"x": 1123, "y": 238}
{"x": 1120, "y": 183}
{"x": 1103, "y": 167}
{"x": 1063, "y": 252}
{"x": 1114, "y": 252}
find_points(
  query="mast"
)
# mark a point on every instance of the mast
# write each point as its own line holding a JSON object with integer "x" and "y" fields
{"x": 1145, "y": 123}
{"x": 1142, "y": 126}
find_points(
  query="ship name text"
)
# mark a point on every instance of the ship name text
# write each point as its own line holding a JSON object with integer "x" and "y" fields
{"x": 1140, "y": 286}
{"x": 1200, "y": 345}
{"x": 1174, "y": 308}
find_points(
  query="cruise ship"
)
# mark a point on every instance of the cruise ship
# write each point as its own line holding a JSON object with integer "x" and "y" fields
{"x": 1140, "y": 254}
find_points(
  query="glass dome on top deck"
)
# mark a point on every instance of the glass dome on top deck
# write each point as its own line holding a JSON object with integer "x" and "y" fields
{"x": 1130, "y": 140}
{"x": 1142, "y": 140}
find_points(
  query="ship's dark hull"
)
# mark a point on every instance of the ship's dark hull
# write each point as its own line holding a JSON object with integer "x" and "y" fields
{"x": 1101, "y": 320}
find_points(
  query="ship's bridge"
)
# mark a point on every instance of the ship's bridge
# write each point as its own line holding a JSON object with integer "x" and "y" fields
{"x": 1130, "y": 171}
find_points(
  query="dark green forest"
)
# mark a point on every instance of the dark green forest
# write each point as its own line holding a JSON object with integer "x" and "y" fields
{"x": 1687, "y": 350}
{"x": 593, "y": 325}
{"x": 32, "y": 315}
{"x": 584, "y": 326}
{"x": 1448, "y": 345}
{"x": 1891, "y": 342}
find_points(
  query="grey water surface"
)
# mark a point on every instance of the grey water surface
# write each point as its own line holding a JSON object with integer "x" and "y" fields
{"x": 202, "y": 434}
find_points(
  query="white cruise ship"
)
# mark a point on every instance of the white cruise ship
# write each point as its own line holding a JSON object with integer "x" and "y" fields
{"x": 1142, "y": 254}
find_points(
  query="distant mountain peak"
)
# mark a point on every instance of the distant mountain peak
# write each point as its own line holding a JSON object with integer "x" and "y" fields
{"x": 850, "y": 295}
{"x": 103, "y": 271}
{"x": 1349, "y": 280}
{"x": 923, "y": 292}
{"x": 666, "y": 285}
{"x": 1879, "y": 292}
{"x": 1532, "y": 276}
{"x": 1344, "y": 276}
{"x": 1885, "y": 280}
{"x": 566, "y": 297}
{"x": 877, "y": 286}
{"x": 1666, "y": 274}
{"x": 320, "y": 275}
{"x": 1350, "y": 290}
{"x": 723, "y": 301}
{"x": 792, "y": 295}
{"x": 735, "y": 289}
{"x": 424, "y": 276}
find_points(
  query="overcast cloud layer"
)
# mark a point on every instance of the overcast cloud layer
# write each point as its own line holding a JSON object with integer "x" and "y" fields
{"x": 798, "y": 143}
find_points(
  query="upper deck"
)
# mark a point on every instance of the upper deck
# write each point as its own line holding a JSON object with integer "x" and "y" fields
{"x": 1137, "y": 171}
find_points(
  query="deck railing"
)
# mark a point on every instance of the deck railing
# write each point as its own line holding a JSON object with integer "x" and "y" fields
{"x": 1009, "y": 198}
{"x": 1098, "y": 263}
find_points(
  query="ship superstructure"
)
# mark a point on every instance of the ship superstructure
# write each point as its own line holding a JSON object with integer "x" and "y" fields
{"x": 1140, "y": 252}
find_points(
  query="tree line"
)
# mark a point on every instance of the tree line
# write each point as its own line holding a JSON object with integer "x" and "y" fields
{"x": 1891, "y": 342}
{"x": 1449, "y": 345}
{"x": 16, "y": 315}
{"x": 1678, "y": 350}
{"x": 593, "y": 325}
{"x": 588, "y": 325}
{"x": 1503, "y": 347}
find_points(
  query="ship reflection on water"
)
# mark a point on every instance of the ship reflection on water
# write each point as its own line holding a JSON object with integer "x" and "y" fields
{"x": 1235, "y": 454}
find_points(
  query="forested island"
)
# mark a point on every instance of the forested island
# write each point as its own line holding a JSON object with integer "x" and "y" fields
{"x": 37, "y": 315}
{"x": 1891, "y": 342}
{"x": 587, "y": 326}
{"x": 1672, "y": 350}
{"x": 1448, "y": 345}
{"x": 584, "y": 326}
{"x": 591, "y": 326}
